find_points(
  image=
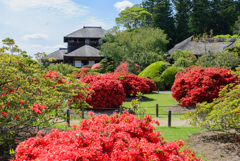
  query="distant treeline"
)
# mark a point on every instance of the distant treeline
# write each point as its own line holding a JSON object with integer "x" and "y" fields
{"x": 183, "y": 18}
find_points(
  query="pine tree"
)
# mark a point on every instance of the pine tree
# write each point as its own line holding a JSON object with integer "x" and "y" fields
{"x": 162, "y": 17}
{"x": 199, "y": 16}
{"x": 182, "y": 8}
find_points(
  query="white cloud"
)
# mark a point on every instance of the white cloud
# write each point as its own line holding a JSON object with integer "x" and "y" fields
{"x": 66, "y": 6}
{"x": 35, "y": 36}
{"x": 122, "y": 5}
{"x": 51, "y": 48}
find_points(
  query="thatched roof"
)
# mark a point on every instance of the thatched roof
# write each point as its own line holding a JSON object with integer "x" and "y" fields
{"x": 87, "y": 32}
{"x": 203, "y": 45}
{"x": 84, "y": 51}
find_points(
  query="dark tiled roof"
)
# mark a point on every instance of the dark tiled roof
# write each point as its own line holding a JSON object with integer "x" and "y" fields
{"x": 203, "y": 46}
{"x": 85, "y": 51}
{"x": 58, "y": 55}
{"x": 88, "y": 32}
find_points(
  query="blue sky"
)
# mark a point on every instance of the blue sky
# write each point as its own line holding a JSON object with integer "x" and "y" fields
{"x": 40, "y": 25}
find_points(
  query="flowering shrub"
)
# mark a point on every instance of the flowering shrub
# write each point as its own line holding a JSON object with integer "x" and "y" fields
{"x": 149, "y": 82}
{"x": 223, "y": 113}
{"x": 107, "y": 93}
{"x": 133, "y": 84}
{"x": 96, "y": 66}
{"x": 105, "y": 138}
{"x": 122, "y": 69}
{"x": 197, "y": 84}
{"x": 82, "y": 72}
{"x": 31, "y": 97}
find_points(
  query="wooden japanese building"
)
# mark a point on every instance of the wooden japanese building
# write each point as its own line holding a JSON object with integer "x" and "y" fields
{"x": 81, "y": 47}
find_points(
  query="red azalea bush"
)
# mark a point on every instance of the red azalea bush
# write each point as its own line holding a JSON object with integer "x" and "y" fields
{"x": 106, "y": 138}
{"x": 197, "y": 84}
{"x": 82, "y": 72}
{"x": 122, "y": 69}
{"x": 133, "y": 84}
{"x": 149, "y": 82}
{"x": 107, "y": 94}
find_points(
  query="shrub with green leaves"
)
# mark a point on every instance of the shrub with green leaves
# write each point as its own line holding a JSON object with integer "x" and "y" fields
{"x": 64, "y": 69}
{"x": 222, "y": 114}
{"x": 31, "y": 99}
{"x": 219, "y": 59}
{"x": 183, "y": 54}
{"x": 183, "y": 62}
{"x": 154, "y": 71}
{"x": 168, "y": 76}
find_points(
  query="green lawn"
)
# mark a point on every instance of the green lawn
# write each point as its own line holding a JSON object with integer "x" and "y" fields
{"x": 163, "y": 100}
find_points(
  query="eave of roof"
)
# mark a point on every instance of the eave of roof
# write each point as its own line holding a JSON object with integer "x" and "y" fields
{"x": 87, "y": 32}
{"x": 84, "y": 51}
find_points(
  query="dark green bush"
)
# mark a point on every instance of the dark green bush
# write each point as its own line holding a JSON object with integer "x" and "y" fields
{"x": 110, "y": 68}
{"x": 168, "y": 76}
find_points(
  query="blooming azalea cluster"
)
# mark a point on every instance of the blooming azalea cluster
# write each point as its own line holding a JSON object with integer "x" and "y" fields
{"x": 122, "y": 69}
{"x": 197, "y": 84}
{"x": 38, "y": 109}
{"x": 110, "y": 89}
{"x": 82, "y": 72}
{"x": 96, "y": 66}
{"x": 105, "y": 138}
{"x": 107, "y": 93}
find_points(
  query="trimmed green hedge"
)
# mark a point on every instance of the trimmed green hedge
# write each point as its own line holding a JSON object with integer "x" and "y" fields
{"x": 154, "y": 71}
{"x": 168, "y": 76}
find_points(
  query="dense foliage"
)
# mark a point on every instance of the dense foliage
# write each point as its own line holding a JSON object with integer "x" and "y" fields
{"x": 142, "y": 46}
{"x": 168, "y": 76}
{"x": 105, "y": 137}
{"x": 197, "y": 84}
{"x": 154, "y": 72}
{"x": 219, "y": 59}
{"x": 64, "y": 69}
{"x": 31, "y": 98}
{"x": 133, "y": 17}
{"x": 223, "y": 113}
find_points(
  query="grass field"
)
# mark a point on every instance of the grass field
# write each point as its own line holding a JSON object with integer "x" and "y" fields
{"x": 163, "y": 100}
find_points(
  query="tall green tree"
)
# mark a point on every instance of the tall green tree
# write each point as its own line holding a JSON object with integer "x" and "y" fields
{"x": 224, "y": 13}
{"x": 182, "y": 8}
{"x": 11, "y": 47}
{"x": 133, "y": 17}
{"x": 148, "y": 5}
{"x": 162, "y": 17}
{"x": 199, "y": 16}
{"x": 142, "y": 46}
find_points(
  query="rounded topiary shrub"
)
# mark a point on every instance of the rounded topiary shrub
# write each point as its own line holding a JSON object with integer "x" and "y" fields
{"x": 168, "y": 76}
{"x": 120, "y": 138}
{"x": 154, "y": 71}
{"x": 197, "y": 84}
